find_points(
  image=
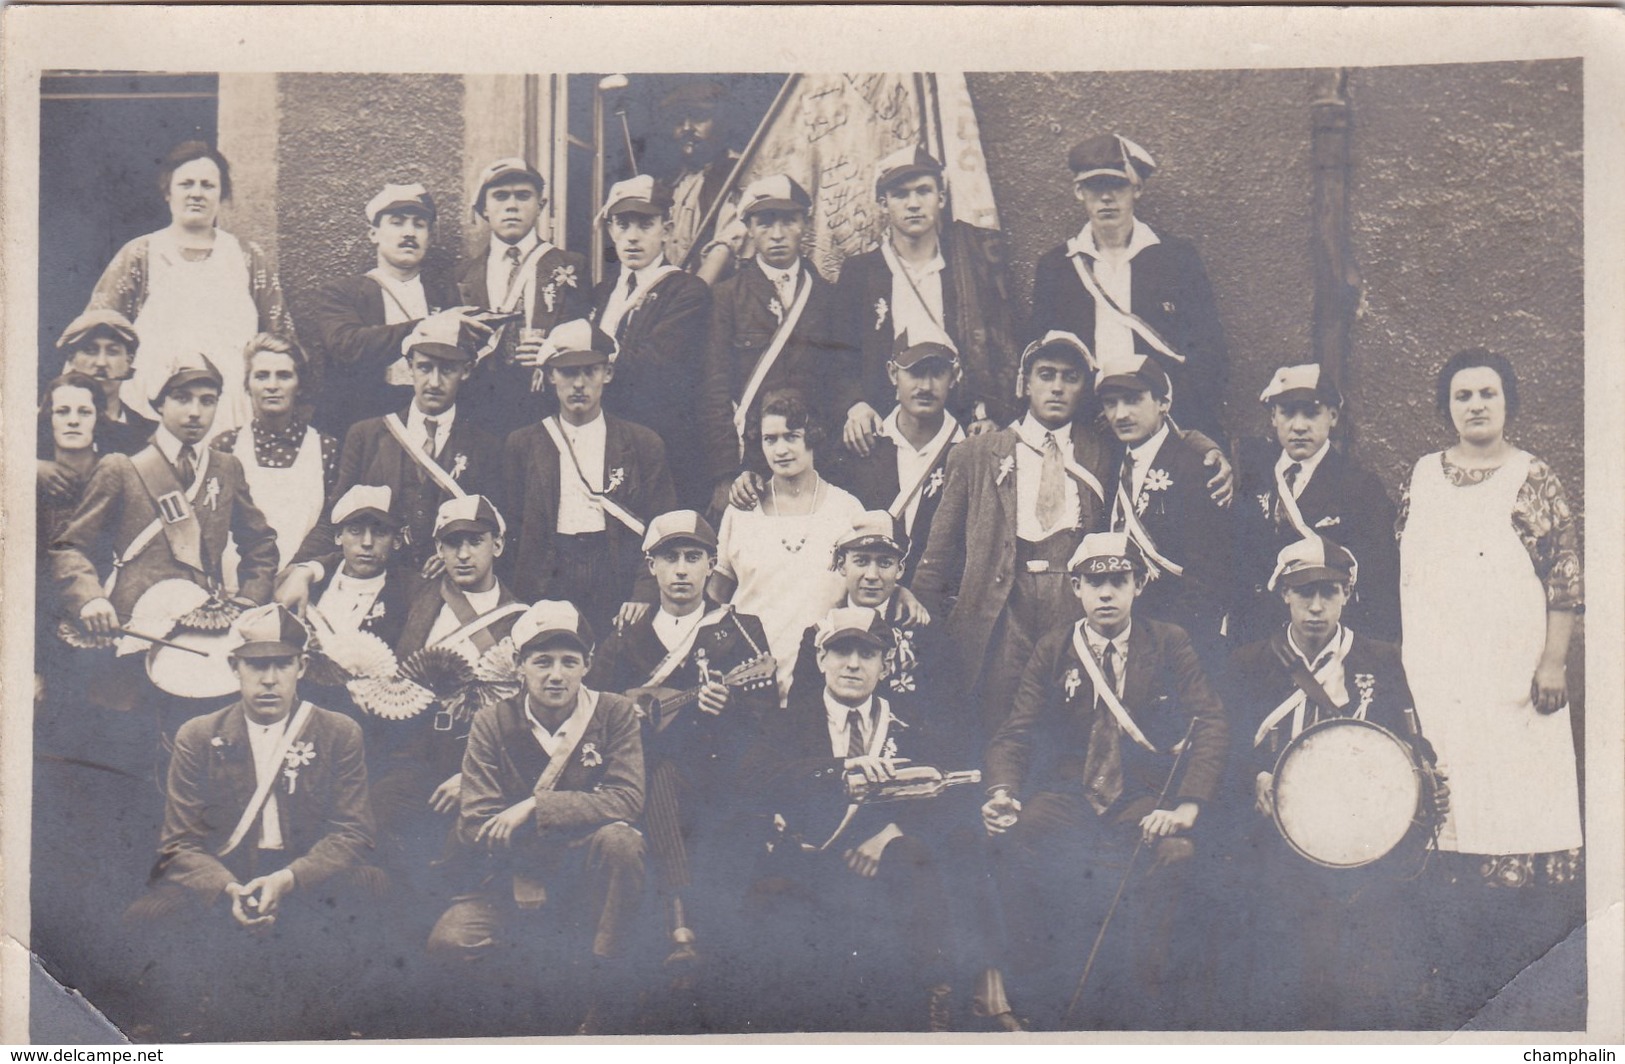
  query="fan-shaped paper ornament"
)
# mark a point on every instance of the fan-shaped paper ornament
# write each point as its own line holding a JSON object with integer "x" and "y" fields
{"x": 390, "y": 697}
{"x": 441, "y": 669}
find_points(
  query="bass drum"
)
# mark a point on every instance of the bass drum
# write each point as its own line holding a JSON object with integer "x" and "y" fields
{"x": 1347, "y": 792}
{"x": 205, "y": 675}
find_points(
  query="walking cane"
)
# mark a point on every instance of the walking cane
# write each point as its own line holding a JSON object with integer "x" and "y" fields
{"x": 1100, "y": 936}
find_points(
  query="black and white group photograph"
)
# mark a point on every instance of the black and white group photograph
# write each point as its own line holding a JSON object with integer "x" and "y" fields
{"x": 603, "y": 545}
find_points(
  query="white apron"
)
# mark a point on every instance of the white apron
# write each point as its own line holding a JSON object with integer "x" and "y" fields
{"x": 206, "y": 307}
{"x": 290, "y": 499}
{"x": 1474, "y": 614}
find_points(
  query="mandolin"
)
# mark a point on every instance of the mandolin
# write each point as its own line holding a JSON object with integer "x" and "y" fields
{"x": 661, "y": 705}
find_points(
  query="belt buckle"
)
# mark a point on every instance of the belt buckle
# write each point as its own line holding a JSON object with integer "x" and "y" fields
{"x": 442, "y": 720}
{"x": 1038, "y": 565}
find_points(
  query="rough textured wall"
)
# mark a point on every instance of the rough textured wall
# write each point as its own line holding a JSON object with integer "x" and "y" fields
{"x": 1467, "y": 216}
{"x": 1232, "y": 150}
{"x": 342, "y": 138}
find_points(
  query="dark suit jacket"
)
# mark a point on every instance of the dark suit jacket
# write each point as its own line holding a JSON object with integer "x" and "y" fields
{"x": 123, "y": 437}
{"x": 970, "y": 557}
{"x": 394, "y": 600}
{"x": 874, "y": 481}
{"x": 1191, "y": 530}
{"x": 354, "y": 347}
{"x": 530, "y": 476}
{"x": 1044, "y": 744}
{"x": 371, "y": 456}
{"x": 1342, "y": 502}
{"x": 498, "y": 390}
{"x": 326, "y": 822}
{"x": 657, "y": 376}
{"x": 742, "y": 327}
{"x": 978, "y": 311}
{"x": 116, "y": 508}
{"x": 1172, "y": 294}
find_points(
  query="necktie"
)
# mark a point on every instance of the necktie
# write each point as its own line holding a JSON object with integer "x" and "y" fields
{"x": 430, "y": 444}
{"x": 1126, "y": 479}
{"x": 1290, "y": 475}
{"x": 786, "y": 290}
{"x": 186, "y": 465}
{"x": 513, "y": 267}
{"x": 1103, "y": 765}
{"x": 1051, "y": 485}
{"x": 1108, "y": 665}
{"x": 854, "y": 734}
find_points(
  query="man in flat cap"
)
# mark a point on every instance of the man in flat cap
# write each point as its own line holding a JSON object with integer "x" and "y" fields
{"x": 694, "y": 112}
{"x": 101, "y": 344}
{"x": 552, "y": 784}
{"x": 927, "y": 276}
{"x": 429, "y": 452}
{"x": 772, "y": 327}
{"x": 582, "y": 486}
{"x": 1126, "y": 290}
{"x": 1115, "y": 739}
{"x": 359, "y": 322}
{"x": 362, "y": 590}
{"x": 660, "y": 320}
{"x": 697, "y": 726}
{"x": 1297, "y": 483}
{"x": 268, "y": 831}
{"x": 522, "y": 274}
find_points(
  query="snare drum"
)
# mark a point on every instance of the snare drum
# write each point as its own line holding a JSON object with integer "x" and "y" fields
{"x": 1347, "y": 792}
{"x": 190, "y": 676}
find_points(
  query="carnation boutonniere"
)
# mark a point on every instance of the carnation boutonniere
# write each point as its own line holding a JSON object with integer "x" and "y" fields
{"x": 459, "y": 465}
{"x": 218, "y": 742}
{"x": 550, "y": 296}
{"x": 777, "y": 308}
{"x": 1072, "y": 682}
{"x": 564, "y": 275}
{"x": 1366, "y": 684}
{"x": 211, "y": 494}
{"x": 617, "y": 477}
{"x": 938, "y": 477}
{"x": 1158, "y": 480}
{"x": 1167, "y": 307}
{"x": 377, "y": 611}
{"x": 881, "y": 310}
{"x": 300, "y": 753}
{"x": 1006, "y": 465}
{"x": 590, "y": 757}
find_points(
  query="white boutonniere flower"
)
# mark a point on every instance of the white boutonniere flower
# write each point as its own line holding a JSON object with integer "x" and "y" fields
{"x": 617, "y": 477}
{"x": 1073, "y": 681}
{"x": 1329, "y": 521}
{"x": 1158, "y": 480}
{"x": 1264, "y": 503}
{"x": 300, "y": 754}
{"x": 888, "y": 749}
{"x": 777, "y": 308}
{"x": 881, "y": 310}
{"x": 1366, "y": 684}
{"x": 217, "y": 742}
{"x": 211, "y": 494}
{"x": 1006, "y": 465}
{"x": 903, "y": 682}
{"x": 459, "y": 465}
{"x": 590, "y": 757}
{"x": 550, "y": 296}
{"x": 564, "y": 275}
{"x": 939, "y": 476}
{"x": 377, "y": 611}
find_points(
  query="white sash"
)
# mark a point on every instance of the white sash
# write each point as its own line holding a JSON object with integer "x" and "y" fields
{"x": 150, "y": 533}
{"x": 569, "y": 735}
{"x": 674, "y": 657}
{"x": 1289, "y": 503}
{"x": 1105, "y": 303}
{"x": 1137, "y": 532}
{"x": 906, "y": 494}
{"x": 483, "y": 621}
{"x": 1073, "y": 469}
{"x": 392, "y": 422}
{"x": 883, "y": 719}
{"x": 1297, "y": 701}
{"x": 611, "y": 507}
{"x": 897, "y": 268}
{"x": 268, "y": 775}
{"x": 770, "y": 356}
{"x": 1103, "y": 690}
{"x": 520, "y": 277}
{"x": 645, "y": 287}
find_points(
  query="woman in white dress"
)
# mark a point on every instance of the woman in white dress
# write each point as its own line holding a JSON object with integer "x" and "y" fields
{"x": 191, "y": 287}
{"x": 1490, "y": 587}
{"x": 774, "y": 561}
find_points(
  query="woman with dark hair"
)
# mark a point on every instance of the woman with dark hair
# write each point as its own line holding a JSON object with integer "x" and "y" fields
{"x": 1489, "y": 589}
{"x": 69, "y": 414}
{"x": 192, "y": 287}
{"x": 290, "y": 467}
{"x": 774, "y": 562}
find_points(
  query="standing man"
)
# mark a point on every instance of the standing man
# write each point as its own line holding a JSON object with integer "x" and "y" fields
{"x": 1126, "y": 290}
{"x": 582, "y": 484}
{"x": 359, "y": 322}
{"x": 926, "y": 278}
{"x": 1302, "y": 485}
{"x": 520, "y": 274}
{"x": 772, "y": 327}
{"x": 660, "y": 318}
{"x": 694, "y": 112}
{"x": 101, "y": 344}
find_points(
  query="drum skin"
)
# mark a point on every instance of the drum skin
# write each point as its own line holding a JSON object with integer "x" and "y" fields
{"x": 189, "y": 676}
{"x": 1346, "y": 793}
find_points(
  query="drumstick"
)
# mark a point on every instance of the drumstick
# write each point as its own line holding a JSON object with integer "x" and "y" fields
{"x": 162, "y": 642}
{"x": 1100, "y": 936}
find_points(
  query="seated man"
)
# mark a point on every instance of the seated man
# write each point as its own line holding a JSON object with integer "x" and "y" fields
{"x": 359, "y": 591}
{"x": 1114, "y": 744}
{"x": 266, "y": 833}
{"x": 696, "y": 732}
{"x": 1329, "y": 948}
{"x": 553, "y": 782}
{"x": 1161, "y": 502}
{"x": 580, "y": 484}
{"x": 1298, "y": 484}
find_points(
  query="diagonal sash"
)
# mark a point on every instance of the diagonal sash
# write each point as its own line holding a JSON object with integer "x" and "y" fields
{"x": 1104, "y": 691}
{"x": 770, "y": 357}
{"x": 1137, "y": 532}
{"x": 1073, "y": 469}
{"x": 1309, "y": 685}
{"x": 1289, "y": 503}
{"x": 674, "y": 657}
{"x": 268, "y": 775}
{"x": 896, "y": 266}
{"x": 1136, "y": 324}
{"x": 906, "y": 495}
{"x": 435, "y": 471}
{"x": 185, "y": 536}
{"x": 569, "y": 736}
{"x": 611, "y": 507}
{"x": 472, "y": 626}
{"x": 637, "y": 299}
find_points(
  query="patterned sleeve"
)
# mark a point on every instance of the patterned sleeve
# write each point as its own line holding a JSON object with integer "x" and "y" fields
{"x": 123, "y": 285}
{"x": 330, "y": 464}
{"x": 267, "y": 293}
{"x": 1551, "y": 534}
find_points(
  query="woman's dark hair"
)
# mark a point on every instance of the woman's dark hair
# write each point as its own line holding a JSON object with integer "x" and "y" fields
{"x": 47, "y": 442}
{"x": 186, "y": 152}
{"x": 277, "y": 345}
{"x": 1473, "y": 358}
{"x": 792, "y": 406}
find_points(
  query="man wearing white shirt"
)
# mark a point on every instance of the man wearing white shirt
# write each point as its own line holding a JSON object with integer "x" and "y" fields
{"x": 1125, "y": 289}
{"x": 359, "y": 592}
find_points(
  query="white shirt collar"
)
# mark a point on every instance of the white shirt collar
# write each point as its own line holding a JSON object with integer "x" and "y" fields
{"x": 646, "y": 275}
{"x": 1309, "y": 464}
{"x": 838, "y": 712}
{"x": 672, "y": 629}
{"x": 1033, "y": 431}
{"x": 1138, "y": 240}
{"x": 342, "y": 581}
{"x": 442, "y": 422}
{"x": 594, "y": 428}
{"x": 1329, "y": 648}
{"x": 168, "y": 445}
{"x": 789, "y": 275}
{"x": 1145, "y": 452}
{"x": 499, "y": 247}
{"x": 889, "y": 429}
{"x": 935, "y": 264}
{"x": 484, "y": 601}
{"x": 1097, "y": 642}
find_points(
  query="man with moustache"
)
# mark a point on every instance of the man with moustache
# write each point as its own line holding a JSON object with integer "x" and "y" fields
{"x": 693, "y": 112}
{"x": 582, "y": 484}
{"x": 660, "y": 319}
{"x": 1299, "y": 483}
{"x": 926, "y": 278}
{"x": 772, "y": 327}
{"x": 1127, "y": 290}
{"x": 360, "y": 322}
{"x": 101, "y": 344}
{"x": 520, "y": 274}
